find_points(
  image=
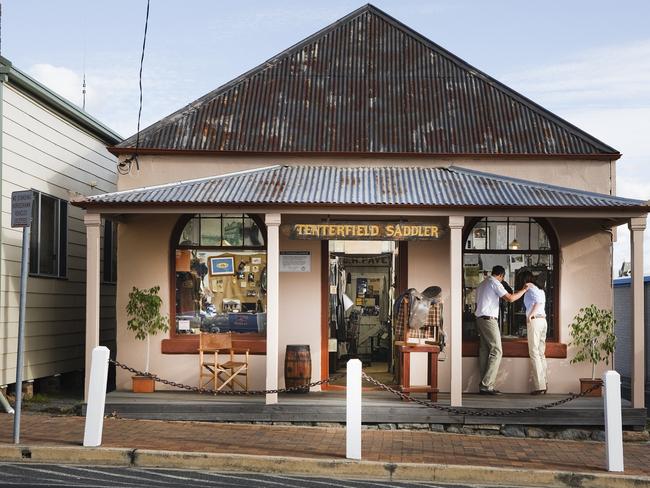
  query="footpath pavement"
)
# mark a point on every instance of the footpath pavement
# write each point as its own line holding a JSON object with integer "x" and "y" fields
{"x": 387, "y": 454}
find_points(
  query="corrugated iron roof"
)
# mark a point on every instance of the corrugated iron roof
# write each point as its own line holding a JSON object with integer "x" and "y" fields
{"x": 332, "y": 185}
{"x": 367, "y": 84}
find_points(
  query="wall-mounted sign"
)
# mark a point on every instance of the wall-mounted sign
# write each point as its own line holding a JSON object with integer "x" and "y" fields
{"x": 295, "y": 261}
{"x": 367, "y": 231}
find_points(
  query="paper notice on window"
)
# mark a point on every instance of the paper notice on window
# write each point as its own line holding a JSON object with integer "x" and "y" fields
{"x": 295, "y": 261}
{"x": 183, "y": 325}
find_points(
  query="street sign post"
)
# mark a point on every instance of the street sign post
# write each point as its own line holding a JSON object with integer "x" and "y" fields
{"x": 21, "y": 216}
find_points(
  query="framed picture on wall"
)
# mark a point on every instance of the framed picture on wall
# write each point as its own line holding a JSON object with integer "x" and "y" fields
{"x": 222, "y": 265}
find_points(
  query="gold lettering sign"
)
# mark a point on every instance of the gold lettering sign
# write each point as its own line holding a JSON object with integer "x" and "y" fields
{"x": 378, "y": 231}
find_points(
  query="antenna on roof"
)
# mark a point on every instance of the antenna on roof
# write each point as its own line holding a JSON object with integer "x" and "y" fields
{"x": 124, "y": 167}
{"x": 83, "y": 91}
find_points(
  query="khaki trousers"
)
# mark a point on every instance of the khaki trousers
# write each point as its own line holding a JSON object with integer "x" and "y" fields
{"x": 490, "y": 352}
{"x": 536, "y": 350}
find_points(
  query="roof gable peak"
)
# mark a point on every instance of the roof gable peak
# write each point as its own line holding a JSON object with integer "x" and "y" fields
{"x": 367, "y": 83}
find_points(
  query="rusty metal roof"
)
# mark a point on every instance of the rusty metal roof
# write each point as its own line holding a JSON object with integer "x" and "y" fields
{"x": 367, "y": 84}
{"x": 380, "y": 186}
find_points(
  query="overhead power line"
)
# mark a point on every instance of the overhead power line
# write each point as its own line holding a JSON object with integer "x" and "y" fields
{"x": 125, "y": 166}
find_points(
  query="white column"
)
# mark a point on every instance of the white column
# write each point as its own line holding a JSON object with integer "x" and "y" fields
{"x": 637, "y": 226}
{"x": 456, "y": 224}
{"x": 272, "y": 303}
{"x": 93, "y": 222}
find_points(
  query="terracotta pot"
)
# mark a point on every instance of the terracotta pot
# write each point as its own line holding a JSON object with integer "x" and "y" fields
{"x": 143, "y": 384}
{"x": 586, "y": 383}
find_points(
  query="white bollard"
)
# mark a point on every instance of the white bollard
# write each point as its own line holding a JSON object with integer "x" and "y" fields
{"x": 613, "y": 421}
{"x": 96, "y": 397}
{"x": 353, "y": 410}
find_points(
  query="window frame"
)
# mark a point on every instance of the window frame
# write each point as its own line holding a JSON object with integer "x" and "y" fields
{"x": 188, "y": 343}
{"x": 518, "y": 347}
{"x": 62, "y": 241}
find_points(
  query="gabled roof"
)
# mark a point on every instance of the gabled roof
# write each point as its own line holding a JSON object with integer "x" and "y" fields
{"x": 367, "y": 84}
{"x": 450, "y": 187}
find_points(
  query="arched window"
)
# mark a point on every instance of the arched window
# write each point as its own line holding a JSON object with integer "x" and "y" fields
{"x": 219, "y": 274}
{"x": 518, "y": 244}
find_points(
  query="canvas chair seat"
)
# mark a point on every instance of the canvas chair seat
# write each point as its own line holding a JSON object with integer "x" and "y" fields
{"x": 217, "y": 365}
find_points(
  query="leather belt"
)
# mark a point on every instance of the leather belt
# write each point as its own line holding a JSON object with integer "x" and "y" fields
{"x": 487, "y": 317}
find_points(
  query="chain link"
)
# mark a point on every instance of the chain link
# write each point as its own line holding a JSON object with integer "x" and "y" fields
{"x": 403, "y": 396}
{"x": 210, "y": 391}
{"x": 474, "y": 411}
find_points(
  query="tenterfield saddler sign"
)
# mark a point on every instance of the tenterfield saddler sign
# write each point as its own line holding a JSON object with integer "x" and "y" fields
{"x": 378, "y": 231}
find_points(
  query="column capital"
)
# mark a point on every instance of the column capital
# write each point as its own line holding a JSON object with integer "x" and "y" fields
{"x": 637, "y": 223}
{"x": 92, "y": 219}
{"x": 272, "y": 219}
{"x": 456, "y": 221}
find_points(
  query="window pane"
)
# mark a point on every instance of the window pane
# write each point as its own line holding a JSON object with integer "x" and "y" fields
{"x": 213, "y": 298}
{"x": 33, "y": 240}
{"x": 512, "y": 316}
{"x": 190, "y": 234}
{"x": 233, "y": 232}
{"x": 478, "y": 237}
{"x": 210, "y": 232}
{"x": 518, "y": 238}
{"x": 252, "y": 234}
{"x": 498, "y": 235}
{"x": 49, "y": 236}
{"x": 538, "y": 238}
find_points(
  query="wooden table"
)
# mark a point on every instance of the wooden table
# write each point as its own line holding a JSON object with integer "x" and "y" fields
{"x": 431, "y": 389}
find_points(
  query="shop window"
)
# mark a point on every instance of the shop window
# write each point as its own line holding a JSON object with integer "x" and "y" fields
{"x": 517, "y": 244}
{"x": 49, "y": 236}
{"x": 220, "y": 275}
{"x": 110, "y": 251}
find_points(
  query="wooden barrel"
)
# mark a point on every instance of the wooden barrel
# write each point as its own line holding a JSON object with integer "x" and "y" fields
{"x": 297, "y": 367}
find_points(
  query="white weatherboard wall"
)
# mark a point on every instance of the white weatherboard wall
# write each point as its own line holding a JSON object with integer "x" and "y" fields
{"x": 44, "y": 151}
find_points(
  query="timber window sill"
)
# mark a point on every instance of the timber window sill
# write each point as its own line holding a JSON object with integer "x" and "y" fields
{"x": 189, "y": 344}
{"x": 517, "y": 348}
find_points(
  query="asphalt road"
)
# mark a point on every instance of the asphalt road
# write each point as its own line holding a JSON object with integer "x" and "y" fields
{"x": 15, "y": 474}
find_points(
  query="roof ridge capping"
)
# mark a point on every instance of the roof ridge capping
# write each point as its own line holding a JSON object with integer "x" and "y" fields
{"x": 521, "y": 181}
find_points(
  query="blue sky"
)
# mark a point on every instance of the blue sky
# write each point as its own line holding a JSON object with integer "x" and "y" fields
{"x": 587, "y": 61}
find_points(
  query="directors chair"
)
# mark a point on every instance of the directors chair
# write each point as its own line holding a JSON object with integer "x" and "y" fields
{"x": 217, "y": 363}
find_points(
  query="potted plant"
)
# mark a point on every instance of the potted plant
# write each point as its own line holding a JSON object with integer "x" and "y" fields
{"x": 145, "y": 320}
{"x": 592, "y": 333}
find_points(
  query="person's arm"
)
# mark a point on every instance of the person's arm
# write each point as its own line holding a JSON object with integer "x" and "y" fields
{"x": 513, "y": 297}
{"x": 533, "y": 311}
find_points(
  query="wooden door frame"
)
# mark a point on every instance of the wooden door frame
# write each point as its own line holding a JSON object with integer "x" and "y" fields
{"x": 401, "y": 286}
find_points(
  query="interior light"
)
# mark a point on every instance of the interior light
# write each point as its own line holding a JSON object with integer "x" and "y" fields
{"x": 514, "y": 244}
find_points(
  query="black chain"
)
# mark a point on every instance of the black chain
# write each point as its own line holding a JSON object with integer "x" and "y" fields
{"x": 474, "y": 411}
{"x": 210, "y": 391}
{"x": 403, "y": 396}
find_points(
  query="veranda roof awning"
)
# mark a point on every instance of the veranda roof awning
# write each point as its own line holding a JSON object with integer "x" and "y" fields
{"x": 441, "y": 187}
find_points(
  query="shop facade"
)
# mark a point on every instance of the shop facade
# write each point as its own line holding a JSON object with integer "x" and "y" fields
{"x": 239, "y": 242}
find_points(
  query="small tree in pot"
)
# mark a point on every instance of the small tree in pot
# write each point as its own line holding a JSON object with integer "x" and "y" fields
{"x": 145, "y": 320}
{"x": 592, "y": 333}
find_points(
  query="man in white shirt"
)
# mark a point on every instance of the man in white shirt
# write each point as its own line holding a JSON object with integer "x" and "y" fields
{"x": 488, "y": 294}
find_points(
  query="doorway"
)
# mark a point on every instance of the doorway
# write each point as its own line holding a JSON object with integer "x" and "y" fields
{"x": 362, "y": 285}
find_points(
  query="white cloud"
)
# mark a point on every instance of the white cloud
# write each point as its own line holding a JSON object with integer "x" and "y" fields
{"x": 605, "y": 92}
{"x": 612, "y": 76}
